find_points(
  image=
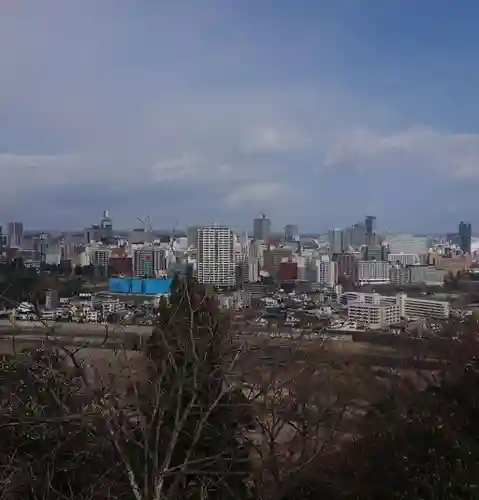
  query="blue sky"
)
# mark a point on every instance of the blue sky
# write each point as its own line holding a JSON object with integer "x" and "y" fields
{"x": 315, "y": 113}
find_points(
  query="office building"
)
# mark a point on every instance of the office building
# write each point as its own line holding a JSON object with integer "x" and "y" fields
{"x": 407, "y": 244}
{"x": 302, "y": 263}
{"x": 261, "y": 228}
{"x": 358, "y": 235}
{"x": 40, "y": 247}
{"x": 216, "y": 256}
{"x": 460, "y": 263}
{"x": 247, "y": 270}
{"x": 375, "y": 252}
{"x": 273, "y": 257}
{"x": 370, "y": 226}
{"x": 106, "y": 222}
{"x": 242, "y": 246}
{"x": 291, "y": 233}
{"x": 93, "y": 234}
{"x": 191, "y": 235}
{"x": 427, "y": 275}
{"x": 15, "y": 234}
{"x": 106, "y": 225}
{"x": 336, "y": 242}
{"x": 399, "y": 275}
{"x": 372, "y": 271}
{"x": 465, "y": 237}
{"x": 253, "y": 269}
{"x": 404, "y": 259}
{"x": 3, "y": 242}
{"x": 150, "y": 261}
{"x": 242, "y": 272}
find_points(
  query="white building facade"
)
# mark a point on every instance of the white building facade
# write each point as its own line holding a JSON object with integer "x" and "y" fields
{"x": 372, "y": 271}
{"x": 408, "y": 307}
{"x": 326, "y": 271}
{"x": 216, "y": 256}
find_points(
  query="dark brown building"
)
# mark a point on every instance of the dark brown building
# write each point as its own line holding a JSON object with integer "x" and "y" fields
{"x": 288, "y": 271}
{"x": 120, "y": 266}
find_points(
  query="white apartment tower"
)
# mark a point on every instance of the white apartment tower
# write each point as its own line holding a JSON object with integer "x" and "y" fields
{"x": 326, "y": 271}
{"x": 216, "y": 256}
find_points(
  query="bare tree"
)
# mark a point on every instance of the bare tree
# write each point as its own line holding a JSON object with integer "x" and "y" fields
{"x": 161, "y": 424}
{"x": 303, "y": 411}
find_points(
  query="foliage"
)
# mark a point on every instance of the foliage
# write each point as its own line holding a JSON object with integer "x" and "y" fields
{"x": 18, "y": 283}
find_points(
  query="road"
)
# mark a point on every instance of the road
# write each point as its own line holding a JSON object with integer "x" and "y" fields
{"x": 7, "y": 328}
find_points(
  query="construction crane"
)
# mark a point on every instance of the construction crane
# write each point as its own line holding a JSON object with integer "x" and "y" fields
{"x": 148, "y": 227}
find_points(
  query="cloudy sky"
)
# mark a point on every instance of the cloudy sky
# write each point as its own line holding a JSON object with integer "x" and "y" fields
{"x": 314, "y": 112}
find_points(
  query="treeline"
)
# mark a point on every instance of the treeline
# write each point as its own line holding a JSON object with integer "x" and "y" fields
{"x": 19, "y": 283}
{"x": 180, "y": 421}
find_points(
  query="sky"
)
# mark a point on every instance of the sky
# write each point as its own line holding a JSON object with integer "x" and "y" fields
{"x": 192, "y": 112}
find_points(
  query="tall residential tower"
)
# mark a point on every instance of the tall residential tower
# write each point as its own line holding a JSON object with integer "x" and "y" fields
{"x": 216, "y": 256}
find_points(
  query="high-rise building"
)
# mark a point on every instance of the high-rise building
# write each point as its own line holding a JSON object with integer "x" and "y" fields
{"x": 106, "y": 222}
{"x": 191, "y": 234}
{"x": 354, "y": 236}
{"x": 370, "y": 225}
{"x": 261, "y": 228}
{"x": 93, "y": 234}
{"x": 99, "y": 256}
{"x": 347, "y": 263}
{"x": 335, "y": 237}
{"x": 375, "y": 252}
{"x": 216, "y": 256}
{"x": 291, "y": 233}
{"x": 42, "y": 247}
{"x": 15, "y": 234}
{"x": 326, "y": 272}
{"x": 106, "y": 225}
{"x": 150, "y": 261}
{"x": 465, "y": 237}
{"x": 273, "y": 257}
{"x": 3, "y": 242}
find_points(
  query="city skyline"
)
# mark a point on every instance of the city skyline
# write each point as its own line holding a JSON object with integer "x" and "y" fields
{"x": 367, "y": 227}
{"x": 309, "y": 112}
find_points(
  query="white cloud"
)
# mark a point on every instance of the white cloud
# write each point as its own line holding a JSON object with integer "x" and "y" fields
{"x": 262, "y": 192}
{"x": 275, "y": 139}
{"x": 449, "y": 155}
